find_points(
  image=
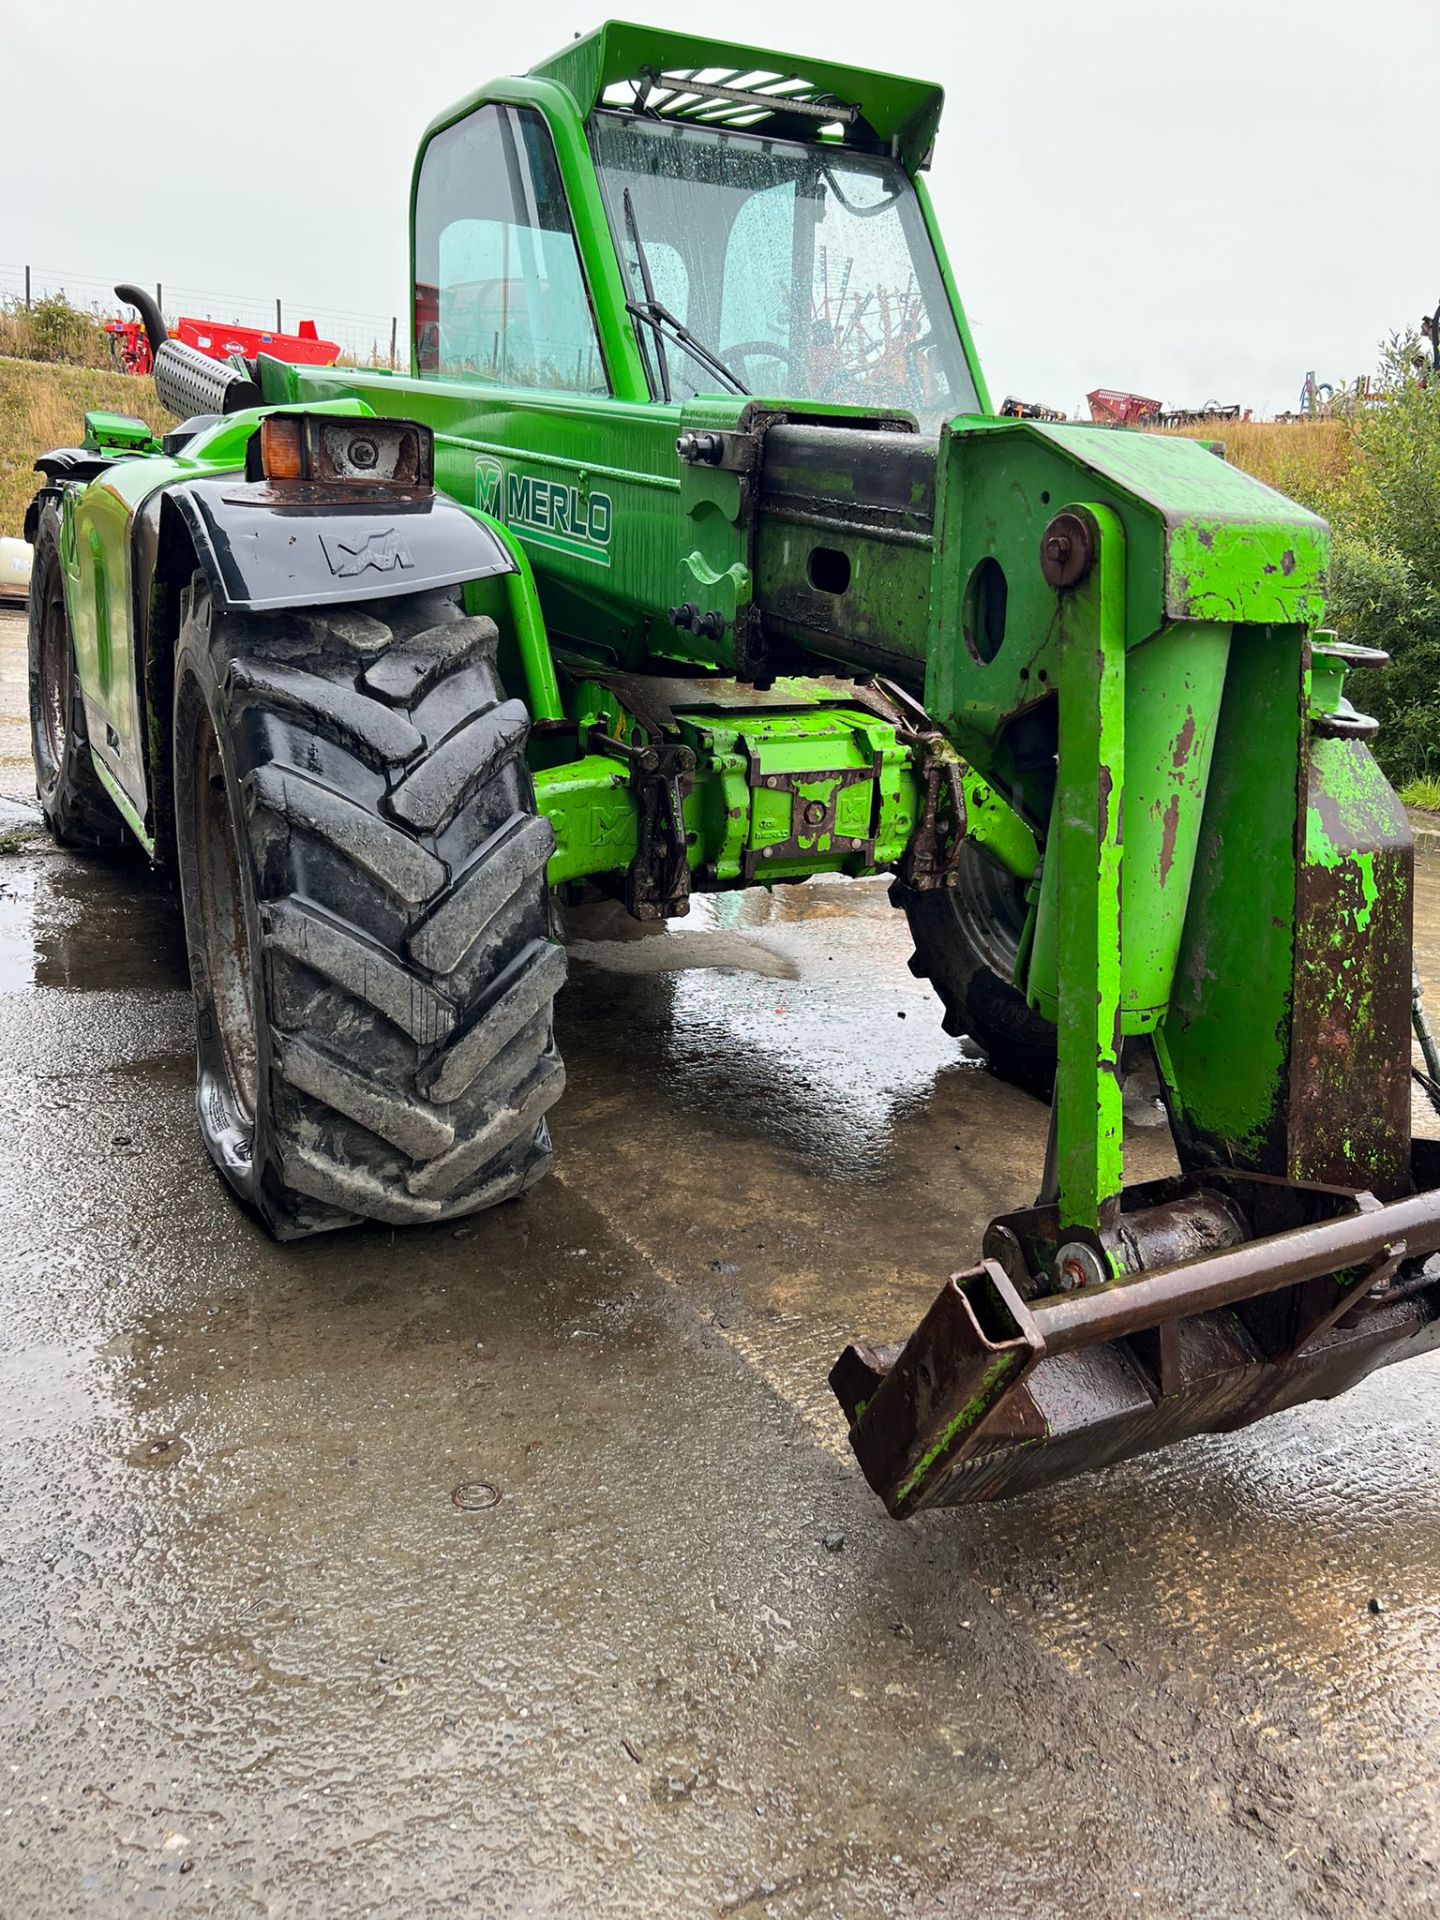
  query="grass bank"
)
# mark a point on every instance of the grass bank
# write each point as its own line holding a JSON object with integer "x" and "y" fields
{"x": 1375, "y": 476}
{"x": 43, "y": 406}
{"x": 1310, "y": 460}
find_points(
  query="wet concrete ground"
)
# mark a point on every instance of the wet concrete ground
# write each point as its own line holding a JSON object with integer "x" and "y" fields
{"x": 254, "y": 1660}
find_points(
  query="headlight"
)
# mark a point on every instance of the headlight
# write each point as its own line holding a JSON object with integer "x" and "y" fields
{"x": 329, "y": 451}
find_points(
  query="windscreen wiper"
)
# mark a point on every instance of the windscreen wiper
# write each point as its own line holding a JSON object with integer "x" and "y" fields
{"x": 850, "y": 206}
{"x": 661, "y": 320}
{"x": 647, "y": 312}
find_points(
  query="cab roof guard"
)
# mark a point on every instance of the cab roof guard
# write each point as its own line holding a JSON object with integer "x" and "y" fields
{"x": 682, "y": 77}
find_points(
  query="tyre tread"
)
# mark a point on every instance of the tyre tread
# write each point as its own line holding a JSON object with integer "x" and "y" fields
{"x": 411, "y": 1058}
{"x": 976, "y": 1001}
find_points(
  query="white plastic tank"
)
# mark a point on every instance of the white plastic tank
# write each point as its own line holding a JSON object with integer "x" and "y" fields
{"x": 14, "y": 569}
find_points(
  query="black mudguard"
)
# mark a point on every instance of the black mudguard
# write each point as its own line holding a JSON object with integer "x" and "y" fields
{"x": 261, "y": 552}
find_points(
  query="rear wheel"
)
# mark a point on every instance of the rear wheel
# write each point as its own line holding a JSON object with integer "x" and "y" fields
{"x": 967, "y": 940}
{"x": 77, "y": 809}
{"x": 363, "y": 877}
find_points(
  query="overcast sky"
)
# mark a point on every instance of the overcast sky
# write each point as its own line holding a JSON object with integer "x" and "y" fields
{"x": 1191, "y": 201}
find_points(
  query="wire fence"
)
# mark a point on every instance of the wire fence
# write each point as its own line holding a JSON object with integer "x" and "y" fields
{"x": 368, "y": 339}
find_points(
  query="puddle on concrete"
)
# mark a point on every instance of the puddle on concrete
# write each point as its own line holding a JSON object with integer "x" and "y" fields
{"x": 819, "y": 1052}
{"x": 683, "y": 953}
{"x": 52, "y": 1385}
{"x": 17, "y": 939}
{"x": 71, "y": 925}
{"x": 603, "y": 935}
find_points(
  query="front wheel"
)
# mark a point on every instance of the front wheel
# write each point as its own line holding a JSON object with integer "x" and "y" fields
{"x": 363, "y": 877}
{"x": 76, "y": 807}
{"x": 967, "y": 941}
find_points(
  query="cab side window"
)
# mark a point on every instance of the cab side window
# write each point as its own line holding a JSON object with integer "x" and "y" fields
{"x": 499, "y": 294}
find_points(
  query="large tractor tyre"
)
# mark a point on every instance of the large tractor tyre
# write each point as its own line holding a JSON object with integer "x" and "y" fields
{"x": 967, "y": 939}
{"x": 363, "y": 877}
{"x": 77, "y": 809}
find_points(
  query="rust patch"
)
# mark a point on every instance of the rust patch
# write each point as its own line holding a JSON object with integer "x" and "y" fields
{"x": 1107, "y": 787}
{"x": 1167, "y": 837}
{"x": 1349, "y": 1098}
{"x": 1184, "y": 741}
{"x": 1287, "y": 562}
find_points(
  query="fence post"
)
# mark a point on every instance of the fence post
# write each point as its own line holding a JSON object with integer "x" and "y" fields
{"x": 392, "y": 342}
{"x": 159, "y": 296}
{"x": 27, "y": 289}
{"x": 279, "y": 323}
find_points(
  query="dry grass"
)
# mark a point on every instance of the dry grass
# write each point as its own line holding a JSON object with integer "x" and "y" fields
{"x": 43, "y": 406}
{"x": 54, "y": 330}
{"x": 1309, "y": 459}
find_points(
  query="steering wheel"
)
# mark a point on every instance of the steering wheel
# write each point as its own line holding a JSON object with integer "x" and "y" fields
{"x": 760, "y": 349}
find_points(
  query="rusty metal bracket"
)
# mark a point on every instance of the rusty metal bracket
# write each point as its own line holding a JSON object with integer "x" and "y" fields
{"x": 910, "y": 1414}
{"x": 662, "y": 773}
{"x": 1322, "y": 1304}
{"x": 932, "y": 858}
{"x": 996, "y": 1391}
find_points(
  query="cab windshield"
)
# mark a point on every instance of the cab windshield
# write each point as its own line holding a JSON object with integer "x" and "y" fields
{"x": 805, "y": 272}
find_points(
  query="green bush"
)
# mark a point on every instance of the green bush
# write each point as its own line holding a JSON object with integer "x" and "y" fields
{"x": 1381, "y": 598}
{"x": 1385, "y": 582}
{"x": 54, "y": 331}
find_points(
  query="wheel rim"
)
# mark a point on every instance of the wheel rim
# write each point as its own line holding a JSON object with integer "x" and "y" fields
{"x": 224, "y": 926}
{"x": 990, "y": 906}
{"x": 55, "y": 669}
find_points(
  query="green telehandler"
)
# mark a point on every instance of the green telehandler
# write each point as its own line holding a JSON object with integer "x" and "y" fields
{"x": 689, "y": 554}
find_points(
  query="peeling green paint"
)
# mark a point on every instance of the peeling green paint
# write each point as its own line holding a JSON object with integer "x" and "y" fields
{"x": 1323, "y": 852}
{"x": 1228, "y": 1028}
{"x": 1370, "y": 887}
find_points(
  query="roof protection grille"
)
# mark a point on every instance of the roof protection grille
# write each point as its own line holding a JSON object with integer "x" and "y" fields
{"x": 748, "y": 98}
{"x": 693, "y": 80}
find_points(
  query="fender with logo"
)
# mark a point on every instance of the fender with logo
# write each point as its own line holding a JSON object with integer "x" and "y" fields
{"x": 260, "y": 555}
